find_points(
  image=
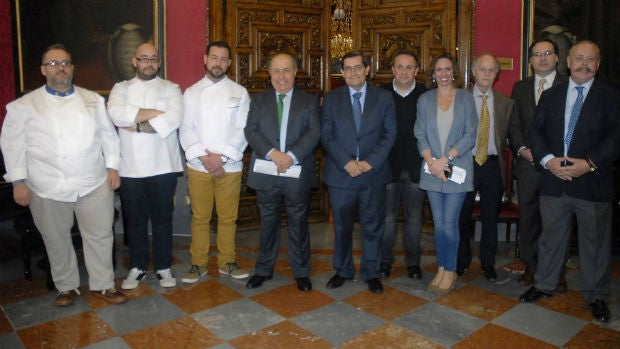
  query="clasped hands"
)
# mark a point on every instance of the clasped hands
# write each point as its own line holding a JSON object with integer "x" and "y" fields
{"x": 438, "y": 167}
{"x": 282, "y": 160}
{"x": 213, "y": 163}
{"x": 356, "y": 168}
{"x": 578, "y": 168}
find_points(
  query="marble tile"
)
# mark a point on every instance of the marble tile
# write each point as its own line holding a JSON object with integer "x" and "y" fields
{"x": 201, "y": 296}
{"x": 329, "y": 322}
{"x": 5, "y": 325}
{"x": 112, "y": 343}
{"x": 284, "y": 335}
{"x": 70, "y": 332}
{"x": 237, "y": 318}
{"x": 239, "y": 285}
{"x": 139, "y": 314}
{"x": 540, "y": 323}
{"x": 390, "y": 336}
{"x": 594, "y": 337}
{"x": 389, "y": 305}
{"x": 16, "y": 290}
{"x": 179, "y": 333}
{"x": 439, "y": 323}
{"x": 41, "y": 309}
{"x": 349, "y": 288}
{"x": 496, "y": 337}
{"x": 318, "y": 267}
{"x": 288, "y": 301}
{"x": 417, "y": 288}
{"x": 10, "y": 341}
{"x": 478, "y": 302}
{"x": 570, "y": 303}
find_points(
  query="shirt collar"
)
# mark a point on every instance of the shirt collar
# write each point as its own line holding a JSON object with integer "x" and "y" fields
{"x": 362, "y": 90}
{"x": 477, "y": 93}
{"x": 407, "y": 92}
{"x": 59, "y": 93}
{"x": 549, "y": 78}
{"x": 572, "y": 84}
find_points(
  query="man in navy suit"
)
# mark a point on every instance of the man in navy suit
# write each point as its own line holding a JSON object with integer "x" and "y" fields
{"x": 283, "y": 128}
{"x": 358, "y": 129}
{"x": 575, "y": 137}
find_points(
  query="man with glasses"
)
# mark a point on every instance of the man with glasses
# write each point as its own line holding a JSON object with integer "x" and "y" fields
{"x": 526, "y": 94}
{"x": 216, "y": 110}
{"x": 61, "y": 153}
{"x": 358, "y": 129}
{"x": 147, "y": 111}
{"x": 494, "y": 110}
{"x": 575, "y": 137}
{"x": 405, "y": 165}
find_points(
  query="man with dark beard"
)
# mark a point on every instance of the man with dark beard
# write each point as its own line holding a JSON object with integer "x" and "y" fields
{"x": 216, "y": 110}
{"x": 148, "y": 110}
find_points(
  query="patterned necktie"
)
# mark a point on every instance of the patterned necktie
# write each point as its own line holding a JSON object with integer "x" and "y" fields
{"x": 280, "y": 108}
{"x": 541, "y": 88}
{"x": 574, "y": 116}
{"x": 357, "y": 110}
{"x": 483, "y": 133}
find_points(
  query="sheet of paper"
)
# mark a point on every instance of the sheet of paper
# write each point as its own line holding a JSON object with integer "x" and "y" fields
{"x": 270, "y": 168}
{"x": 458, "y": 173}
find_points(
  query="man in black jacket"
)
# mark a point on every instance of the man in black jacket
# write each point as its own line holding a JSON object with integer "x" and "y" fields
{"x": 405, "y": 165}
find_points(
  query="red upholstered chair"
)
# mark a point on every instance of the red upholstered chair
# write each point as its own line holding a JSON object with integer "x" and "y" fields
{"x": 509, "y": 211}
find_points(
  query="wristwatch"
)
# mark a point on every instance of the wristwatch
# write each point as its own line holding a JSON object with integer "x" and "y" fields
{"x": 450, "y": 158}
{"x": 224, "y": 159}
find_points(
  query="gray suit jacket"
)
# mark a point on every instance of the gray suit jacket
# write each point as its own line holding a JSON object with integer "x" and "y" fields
{"x": 462, "y": 137}
{"x": 302, "y": 134}
{"x": 503, "y": 110}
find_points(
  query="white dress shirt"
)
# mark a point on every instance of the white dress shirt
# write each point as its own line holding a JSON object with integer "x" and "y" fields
{"x": 61, "y": 146}
{"x": 490, "y": 104}
{"x": 214, "y": 118}
{"x": 148, "y": 154}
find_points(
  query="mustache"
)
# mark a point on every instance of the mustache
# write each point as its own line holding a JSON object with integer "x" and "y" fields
{"x": 585, "y": 69}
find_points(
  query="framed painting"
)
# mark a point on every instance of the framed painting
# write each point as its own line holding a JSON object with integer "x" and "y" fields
{"x": 101, "y": 36}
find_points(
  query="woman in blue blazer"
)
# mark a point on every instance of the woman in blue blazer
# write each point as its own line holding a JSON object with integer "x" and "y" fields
{"x": 446, "y": 132}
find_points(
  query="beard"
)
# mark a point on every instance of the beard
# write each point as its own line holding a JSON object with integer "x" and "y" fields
{"x": 147, "y": 73}
{"x": 216, "y": 72}
{"x": 65, "y": 82}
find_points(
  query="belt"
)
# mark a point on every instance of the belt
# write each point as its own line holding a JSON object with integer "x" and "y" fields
{"x": 490, "y": 157}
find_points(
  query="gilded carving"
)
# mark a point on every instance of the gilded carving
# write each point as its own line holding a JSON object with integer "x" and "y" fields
{"x": 314, "y": 22}
{"x": 436, "y": 21}
{"x": 368, "y": 24}
{"x": 274, "y": 43}
{"x": 246, "y": 17}
{"x": 390, "y": 44}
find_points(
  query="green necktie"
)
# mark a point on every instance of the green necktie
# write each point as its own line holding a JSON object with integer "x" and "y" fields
{"x": 280, "y": 108}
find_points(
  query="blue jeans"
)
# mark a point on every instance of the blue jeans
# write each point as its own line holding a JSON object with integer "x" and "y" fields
{"x": 446, "y": 208}
{"x": 143, "y": 199}
{"x": 412, "y": 198}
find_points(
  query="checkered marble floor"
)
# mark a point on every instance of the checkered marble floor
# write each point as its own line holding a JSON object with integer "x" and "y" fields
{"x": 219, "y": 312}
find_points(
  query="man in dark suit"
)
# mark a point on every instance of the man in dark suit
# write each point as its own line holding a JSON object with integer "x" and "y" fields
{"x": 489, "y": 171}
{"x": 283, "y": 131}
{"x": 526, "y": 93}
{"x": 405, "y": 165}
{"x": 358, "y": 141}
{"x": 575, "y": 137}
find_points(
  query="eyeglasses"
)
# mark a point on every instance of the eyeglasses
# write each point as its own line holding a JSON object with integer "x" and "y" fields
{"x": 54, "y": 63}
{"x": 540, "y": 54}
{"x": 357, "y": 69}
{"x": 145, "y": 59}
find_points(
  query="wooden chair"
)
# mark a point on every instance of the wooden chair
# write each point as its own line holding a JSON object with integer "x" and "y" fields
{"x": 509, "y": 211}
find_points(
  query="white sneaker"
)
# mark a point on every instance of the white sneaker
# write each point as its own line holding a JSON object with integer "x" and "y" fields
{"x": 166, "y": 279}
{"x": 133, "y": 279}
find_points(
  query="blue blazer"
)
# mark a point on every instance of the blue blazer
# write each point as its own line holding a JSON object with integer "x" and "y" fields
{"x": 302, "y": 135}
{"x": 462, "y": 137}
{"x": 597, "y": 136}
{"x": 340, "y": 138}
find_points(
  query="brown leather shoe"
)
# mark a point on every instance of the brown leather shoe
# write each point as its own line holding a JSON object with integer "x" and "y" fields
{"x": 66, "y": 298}
{"x": 562, "y": 287}
{"x": 110, "y": 295}
{"x": 527, "y": 278}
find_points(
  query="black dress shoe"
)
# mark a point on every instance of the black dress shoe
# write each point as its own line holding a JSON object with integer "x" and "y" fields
{"x": 600, "y": 310}
{"x": 336, "y": 281}
{"x": 375, "y": 286}
{"x": 304, "y": 284}
{"x": 414, "y": 272}
{"x": 489, "y": 273}
{"x": 386, "y": 269}
{"x": 257, "y": 281}
{"x": 533, "y": 294}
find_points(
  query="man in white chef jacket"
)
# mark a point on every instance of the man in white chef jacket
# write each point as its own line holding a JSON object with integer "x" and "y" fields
{"x": 148, "y": 111}
{"x": 61, "y": 153}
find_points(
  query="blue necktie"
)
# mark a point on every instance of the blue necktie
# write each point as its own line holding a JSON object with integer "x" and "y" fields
{"x": 357, "y": 110}
{"x": 574, "y": 116}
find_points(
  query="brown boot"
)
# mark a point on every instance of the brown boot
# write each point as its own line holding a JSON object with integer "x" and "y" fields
{"x": 527, "y": 278}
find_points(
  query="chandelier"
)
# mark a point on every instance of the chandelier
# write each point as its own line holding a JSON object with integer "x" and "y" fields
{"x": 341, "y": 40}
